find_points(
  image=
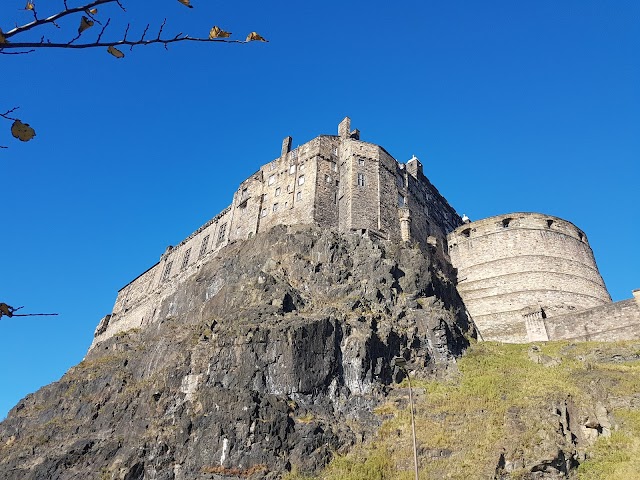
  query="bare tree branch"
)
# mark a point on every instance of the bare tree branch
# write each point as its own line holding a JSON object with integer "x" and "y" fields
{"x": 9, "y": 112}
{"x": 14, "y": 42}
{"x": 57, "y": 16}
{"x": 185, "y": 38}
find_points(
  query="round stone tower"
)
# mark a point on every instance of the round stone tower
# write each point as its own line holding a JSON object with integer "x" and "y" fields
{"x": 514, "y": 270}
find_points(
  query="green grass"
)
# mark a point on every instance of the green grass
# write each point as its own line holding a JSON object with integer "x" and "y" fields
{"x": 502, "y": 401}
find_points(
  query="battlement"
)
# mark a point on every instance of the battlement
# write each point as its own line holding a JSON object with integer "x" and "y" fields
{"x": 518, "y": 268}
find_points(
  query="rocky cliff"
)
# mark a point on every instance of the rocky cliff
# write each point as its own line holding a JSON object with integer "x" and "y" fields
{"x": 271, "y": 357}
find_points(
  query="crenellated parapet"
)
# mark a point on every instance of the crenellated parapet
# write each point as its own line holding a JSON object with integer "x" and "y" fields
{"x": 516, "y": 269}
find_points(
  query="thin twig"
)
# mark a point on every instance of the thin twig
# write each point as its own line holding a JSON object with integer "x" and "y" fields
{"x": 103, "y": 29}
{"x": 8, "y": 112}
{"x": 57, "y": 16}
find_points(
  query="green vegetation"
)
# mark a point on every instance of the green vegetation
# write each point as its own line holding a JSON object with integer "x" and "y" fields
{"x": 506, "y": 401}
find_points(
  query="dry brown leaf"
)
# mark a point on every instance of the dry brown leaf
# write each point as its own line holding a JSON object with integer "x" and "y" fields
{"x": 186, "y": 3}
{"x": 115, "y": 52}
{"x": 22, "y": 131}
{"x": 29, "y": 6}
{"x": 217, "y": 32}
{"x": 2, "y": 37}
{"x": 255, "y": 36}
{"x": 84, "y": 24}
{"x": 93, "y": 11}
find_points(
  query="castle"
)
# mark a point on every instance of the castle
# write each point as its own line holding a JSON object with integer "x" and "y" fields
{"x": 523, "y": 277}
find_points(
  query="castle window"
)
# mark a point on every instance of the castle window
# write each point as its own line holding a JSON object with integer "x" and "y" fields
{"x": 549, "y": 223}
{"x": 277, "y": 192}
{"x": 335, "y": 150}
{"x": 466, "y": 232}
{"x": 400, "y": 181}
{"x": 299, "y": 196}
{"x": 334, "y": 166}
{"x": 301, "y": 180}
{"x": 185, "y": 259}
{"x": 244, "y": 193}
{"x": 327, "y": 178}
{"x": 264, "y": 212}
{"x": 361, "y": 162}
{"x": 222, "y": 232}
{"x": 288, "y": 188}
{"x": 292, "y": 169}
{"x": 402, "y": 201}
{"x": 275, "y": 207}
{"x": 167, "y": 271}
{"x": 302, "y": 167}
{"x": 203, "y": 247}
{"x": 272, "y": 179}
{"x": 506, "y": 222}
{"x": 272, "y": 165}
{"x": 361, "y": 179}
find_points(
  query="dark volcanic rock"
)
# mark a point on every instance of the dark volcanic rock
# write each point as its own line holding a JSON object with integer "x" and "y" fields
{"x": 274, "y": 354}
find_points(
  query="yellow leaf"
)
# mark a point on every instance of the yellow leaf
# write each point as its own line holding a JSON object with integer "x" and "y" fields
{"x": 115, "y": 52}
{"x": 84, "y": 24}
{"x": 255, "y": 36}
{"x": 2, "y": 38}
{"x": 186, "y": 3}
{"x": 217, "y": 32}
{"x": 93, "y": 11}
{"x": 22, "y": 131}
{"x": 30, "y": 6}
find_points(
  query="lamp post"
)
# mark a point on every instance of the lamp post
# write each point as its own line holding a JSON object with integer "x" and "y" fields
{"x": 401, "y": 363}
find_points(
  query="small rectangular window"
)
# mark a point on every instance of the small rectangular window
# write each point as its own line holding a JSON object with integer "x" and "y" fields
{"x": 299, "y": 196}
{"x": 327, "y": 178}
{"x": 272, "y": 179}
{"x": 264, "y": 212}
{"x": 203, "y": 247}
{"x": 272, "y": 165}
{"x": 222, "y": 232}
{"x": 167, "y": 271}
{"x": 275, "y": 207}
{"x": 302, "y": 167}
{"x": 277, "y": 192}
{"x": 361, "y": 162}
{"x": 335, "y": 150}
{"x": 400, "y": 181}
{"x": 361, "y": 179}
{"x": 301, "y": 180}
{"x": 402, "y": 201}
{"x": 292, "y": 169}
{"x": 185, "y": 259}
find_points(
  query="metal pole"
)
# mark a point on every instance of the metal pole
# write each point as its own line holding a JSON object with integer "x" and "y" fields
{"x": 413, "y": 430}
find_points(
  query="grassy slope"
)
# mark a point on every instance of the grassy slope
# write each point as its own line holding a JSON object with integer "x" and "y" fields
{"x": 504, "y": 402}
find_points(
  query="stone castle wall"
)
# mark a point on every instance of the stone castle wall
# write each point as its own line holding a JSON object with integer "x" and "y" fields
{"x": 611, "y": 322}
{"x": 522, "y": 276}
{"x": 337, "y": 182}
{"x": 512, "y": 266}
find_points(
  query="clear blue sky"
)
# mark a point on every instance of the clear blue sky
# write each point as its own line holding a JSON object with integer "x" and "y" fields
{"x": 510, "y": 105}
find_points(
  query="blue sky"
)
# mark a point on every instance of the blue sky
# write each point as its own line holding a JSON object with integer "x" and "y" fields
{"x": 510, "y": 105}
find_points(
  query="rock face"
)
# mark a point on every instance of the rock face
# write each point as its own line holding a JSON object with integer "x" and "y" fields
{"x": 271, "y": 356}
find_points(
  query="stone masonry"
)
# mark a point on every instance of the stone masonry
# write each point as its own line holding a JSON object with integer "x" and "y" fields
{"x": 528, "y": 277}
{"x": 334, "y": 181}
{"x": 516, "y": 273}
